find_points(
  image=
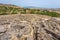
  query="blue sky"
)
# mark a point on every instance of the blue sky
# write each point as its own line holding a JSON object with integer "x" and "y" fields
{"x": 35, "y": 3}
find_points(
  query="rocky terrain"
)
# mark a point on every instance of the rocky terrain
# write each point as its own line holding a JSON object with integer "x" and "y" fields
{"x": 29, "y": 27}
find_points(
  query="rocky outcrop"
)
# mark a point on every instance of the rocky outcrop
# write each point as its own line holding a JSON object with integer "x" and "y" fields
{"x": 29, "y": 27}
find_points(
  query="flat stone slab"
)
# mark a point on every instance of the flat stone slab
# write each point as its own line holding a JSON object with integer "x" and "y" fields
{"x": 29, "y": 27}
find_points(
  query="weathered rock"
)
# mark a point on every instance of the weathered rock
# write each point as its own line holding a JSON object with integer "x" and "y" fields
{"x": 2, "y": 29}
{"x": 29, "y": 27}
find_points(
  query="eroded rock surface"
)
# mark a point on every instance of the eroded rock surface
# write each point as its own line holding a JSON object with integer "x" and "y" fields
{"x": 29, "y": 27}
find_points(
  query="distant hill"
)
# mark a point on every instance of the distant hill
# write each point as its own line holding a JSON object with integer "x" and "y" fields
{"x": 9, "y": 5}
{"x": 7, "y": 9}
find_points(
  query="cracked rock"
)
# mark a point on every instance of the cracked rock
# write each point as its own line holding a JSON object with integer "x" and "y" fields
{"x": 29, "y": 27}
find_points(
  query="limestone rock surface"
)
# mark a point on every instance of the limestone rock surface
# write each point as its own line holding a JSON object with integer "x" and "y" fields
{"x": 29, "y": 27}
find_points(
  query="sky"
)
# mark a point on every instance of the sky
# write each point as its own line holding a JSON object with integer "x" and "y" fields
{"x": 34, "y": 3}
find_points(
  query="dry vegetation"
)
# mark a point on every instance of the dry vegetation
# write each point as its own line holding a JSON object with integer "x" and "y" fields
{"x": 12, "y": 9}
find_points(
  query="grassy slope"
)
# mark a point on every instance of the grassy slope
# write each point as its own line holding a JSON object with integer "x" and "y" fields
{"x": 6, "y": 10}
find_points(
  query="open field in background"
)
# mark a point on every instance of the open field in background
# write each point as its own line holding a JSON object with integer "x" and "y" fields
{"x": 12, "y": 9}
